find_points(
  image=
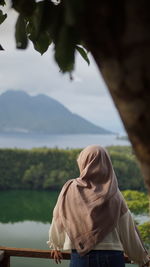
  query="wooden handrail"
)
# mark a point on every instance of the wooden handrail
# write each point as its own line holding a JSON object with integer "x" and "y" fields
{"x": 7, "y": 252}
{"x": 29, "y": 252}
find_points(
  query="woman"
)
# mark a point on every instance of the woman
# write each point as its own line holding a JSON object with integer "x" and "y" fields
{"x": 92, "y": 219}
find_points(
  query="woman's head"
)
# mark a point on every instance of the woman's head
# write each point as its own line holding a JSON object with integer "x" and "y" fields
{"x": 94, "y": 163}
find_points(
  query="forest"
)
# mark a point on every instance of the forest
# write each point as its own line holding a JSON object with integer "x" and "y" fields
{"x": 49, "y": 169}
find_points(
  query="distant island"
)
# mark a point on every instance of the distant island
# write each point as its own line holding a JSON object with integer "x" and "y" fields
{"x": 22, "y": 113}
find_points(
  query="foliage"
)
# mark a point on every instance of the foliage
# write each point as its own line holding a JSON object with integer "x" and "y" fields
{"x": 126, "y": 168}
{"x": 33, "y": 168}
{"x": 45, "y": 23}
{"x": 45, "y": 168}
{"x": 55, "y": 179}
{"x": 145, "y": 233}
{"x": 137, "y": 201}
{"x": 34, "y": 176}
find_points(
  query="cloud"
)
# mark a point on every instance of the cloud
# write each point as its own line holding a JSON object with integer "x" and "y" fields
{"x": 28, "y": 70}
{"x": 87, "y": 95}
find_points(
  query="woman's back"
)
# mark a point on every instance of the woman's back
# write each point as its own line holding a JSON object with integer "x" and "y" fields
{"x": 91, "y": 214}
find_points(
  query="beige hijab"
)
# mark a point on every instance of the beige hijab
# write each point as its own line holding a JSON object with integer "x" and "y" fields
{"x": 89, "y": 207}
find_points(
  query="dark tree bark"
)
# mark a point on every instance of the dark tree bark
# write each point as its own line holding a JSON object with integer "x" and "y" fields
{"x": 118, "y": 35}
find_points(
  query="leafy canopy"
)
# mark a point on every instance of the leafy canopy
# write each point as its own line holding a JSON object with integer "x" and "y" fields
{"x": 45, "y": 23}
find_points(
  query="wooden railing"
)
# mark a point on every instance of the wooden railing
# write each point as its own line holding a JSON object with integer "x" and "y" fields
{"x": 7, "y": 252}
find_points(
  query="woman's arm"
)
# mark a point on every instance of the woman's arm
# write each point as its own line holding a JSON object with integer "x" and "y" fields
{"x": 56, "y": 239}
{"x": 131, "y": 241}
{"x": 55, "y": 242}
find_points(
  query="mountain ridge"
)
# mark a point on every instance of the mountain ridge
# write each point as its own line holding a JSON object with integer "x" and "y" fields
{"x": 20, "y": 112}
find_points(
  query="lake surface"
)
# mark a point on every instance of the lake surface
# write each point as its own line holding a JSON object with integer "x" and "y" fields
{"x": 24, "y": 222}
{"x": 60, "y": 141}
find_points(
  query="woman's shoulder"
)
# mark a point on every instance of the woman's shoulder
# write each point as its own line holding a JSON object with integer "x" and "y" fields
{"x": 66, "y": 185}
{"x": 69, "y": 182}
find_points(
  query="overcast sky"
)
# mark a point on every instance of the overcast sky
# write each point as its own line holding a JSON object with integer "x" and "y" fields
{"x": 27, "y": 70}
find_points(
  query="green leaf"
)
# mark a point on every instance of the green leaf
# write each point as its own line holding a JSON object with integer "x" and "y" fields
{"x": 42, "y": 43}
{"x": 24, "y": 7}
{"x": 2, "y": 16}
{"x": 55, "y": 22}
{"x": 65, "y": 48}
{"x": 83, "y": 53}
{"x": 37, "y": 28}
{"x": 40, "y": 19}
{"x": 69, "y": 14}
{"x": 20, "y": 34}
{"x": 2, "y": 3}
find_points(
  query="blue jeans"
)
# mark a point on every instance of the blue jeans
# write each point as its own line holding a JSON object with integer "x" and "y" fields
{"x": 98, "y": 258}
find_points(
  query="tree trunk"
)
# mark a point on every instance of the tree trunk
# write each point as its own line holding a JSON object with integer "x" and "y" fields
{"x": 118, "y": 35}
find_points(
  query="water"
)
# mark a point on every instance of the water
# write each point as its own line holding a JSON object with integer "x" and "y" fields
{"x": 27, "y": 234}
{"x": 141, "y": 218}
{"x": 24, "y": 223}
{"x": 60, "y": 141}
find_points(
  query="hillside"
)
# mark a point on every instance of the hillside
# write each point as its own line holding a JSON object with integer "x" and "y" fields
{"x": 20, "y": 112}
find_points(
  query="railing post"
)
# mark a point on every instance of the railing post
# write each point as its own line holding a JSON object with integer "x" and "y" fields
{"x": 4, "y": 260}
{"x": 1, "y": 255}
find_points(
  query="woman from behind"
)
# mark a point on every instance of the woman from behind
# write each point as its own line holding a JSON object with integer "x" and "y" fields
{"x": 92, "y": 219}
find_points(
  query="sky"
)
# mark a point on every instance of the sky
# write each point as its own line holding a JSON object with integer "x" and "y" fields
{"x": 86, "y": 95}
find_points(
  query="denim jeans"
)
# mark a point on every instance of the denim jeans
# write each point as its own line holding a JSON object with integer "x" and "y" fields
{"x": 98, "y": 258}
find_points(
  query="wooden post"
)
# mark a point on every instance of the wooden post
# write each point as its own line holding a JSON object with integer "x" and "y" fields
{"x": 1, "y": 255}
{"x": 4, "y": 259}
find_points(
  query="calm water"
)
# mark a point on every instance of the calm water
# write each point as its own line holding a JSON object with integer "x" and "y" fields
{"x": 24, "y": 222}
{"x": 60, "y": 141}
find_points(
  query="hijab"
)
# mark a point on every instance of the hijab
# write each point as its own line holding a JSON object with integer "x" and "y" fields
{"x": 89, "y": 207}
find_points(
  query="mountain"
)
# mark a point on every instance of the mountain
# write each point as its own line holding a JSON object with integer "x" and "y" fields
{"x": 20, "y": 112}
